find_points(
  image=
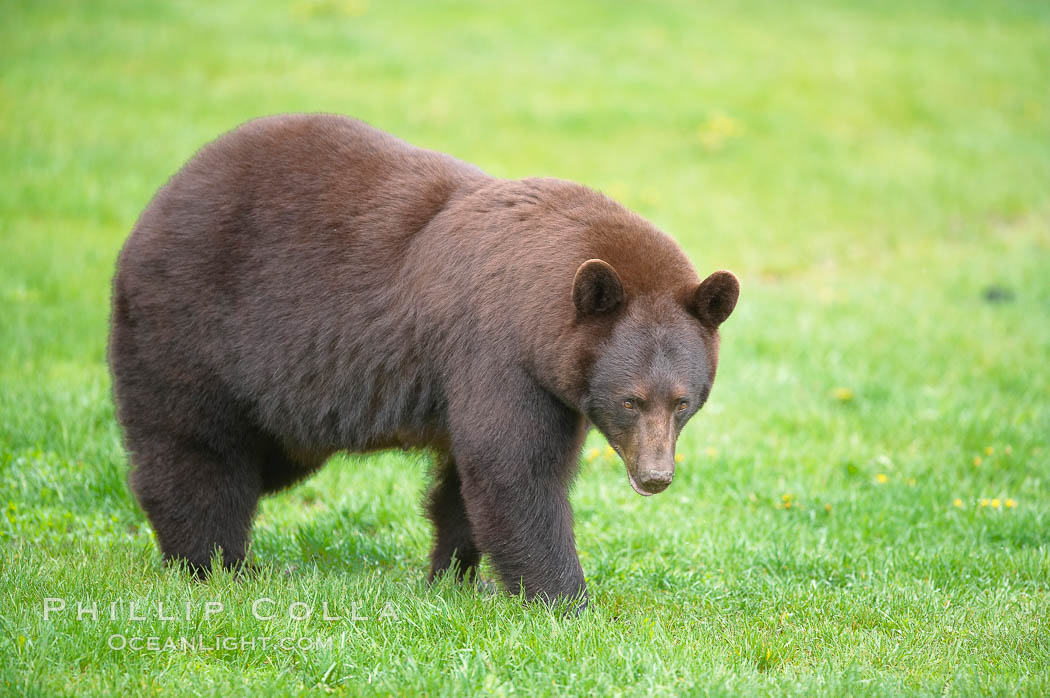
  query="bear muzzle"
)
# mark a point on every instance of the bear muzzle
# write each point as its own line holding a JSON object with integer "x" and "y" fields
{"x": 647, "y": 451}
{"x": 650, "y": 481}
{"x": 648, "y": 476}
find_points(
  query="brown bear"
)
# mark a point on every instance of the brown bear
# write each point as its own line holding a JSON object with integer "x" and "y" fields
{"x": 308, "y": 284}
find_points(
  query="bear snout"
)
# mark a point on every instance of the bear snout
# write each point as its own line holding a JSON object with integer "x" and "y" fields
{"x": 655, "y": 480}
{"x": 650, "y": 480}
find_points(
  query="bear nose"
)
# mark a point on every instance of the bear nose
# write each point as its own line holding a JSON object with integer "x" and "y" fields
{"x": 656, "y": 480}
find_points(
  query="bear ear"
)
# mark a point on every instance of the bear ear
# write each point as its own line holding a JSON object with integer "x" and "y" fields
{"x": 714, "y": 299}
{"x": 597, "y": 288}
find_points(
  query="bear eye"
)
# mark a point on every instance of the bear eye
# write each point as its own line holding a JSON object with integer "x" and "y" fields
{"x": 682, "y": 405}
{"x": 628, "y": 404}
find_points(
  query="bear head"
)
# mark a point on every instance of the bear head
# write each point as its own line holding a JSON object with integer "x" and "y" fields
{"x": 654, "y": 368}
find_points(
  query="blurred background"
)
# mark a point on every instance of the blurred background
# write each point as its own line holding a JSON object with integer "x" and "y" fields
{"x": 877, "y": 174}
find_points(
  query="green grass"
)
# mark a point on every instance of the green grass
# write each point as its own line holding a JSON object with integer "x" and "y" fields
{"x": 868, "y": 169}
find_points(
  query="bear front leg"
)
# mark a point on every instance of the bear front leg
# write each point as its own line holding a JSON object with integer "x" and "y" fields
{"x": 527, "y": 531}
{"x": 516, "y": 450}
{"x": 453, "y": 538}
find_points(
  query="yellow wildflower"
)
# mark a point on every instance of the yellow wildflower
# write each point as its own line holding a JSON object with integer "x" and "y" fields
{"x": 996, "y": 503}
{"x": 1010, "y": 504}
{"x": 678, "y": 458}
{"x": 592, "y": 454}
{"x": 989, "y": 450}
{"x": 984, "y": 502}
{"x": 842, "y": 394}
{"x": 958, "y": 503}
{"x": 609, "y": 451}
{"x": 718, "y": 130}
{"x": 977, "y": 461}
{"x": 881, "y": 478}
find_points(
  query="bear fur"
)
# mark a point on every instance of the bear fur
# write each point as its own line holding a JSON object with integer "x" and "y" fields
{"x": 308, "y": 284}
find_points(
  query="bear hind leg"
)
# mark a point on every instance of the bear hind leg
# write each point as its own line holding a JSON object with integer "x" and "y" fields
{"x": 453, "y": 537}
{"x": 198, "y": 500}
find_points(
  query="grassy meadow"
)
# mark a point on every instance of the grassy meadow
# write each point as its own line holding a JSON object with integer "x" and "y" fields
{"x": 863, "y": 508}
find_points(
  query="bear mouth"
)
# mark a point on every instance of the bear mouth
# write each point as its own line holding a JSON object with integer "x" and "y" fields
{"x": 630, "y": 475}
{"x": 637, "y": 487}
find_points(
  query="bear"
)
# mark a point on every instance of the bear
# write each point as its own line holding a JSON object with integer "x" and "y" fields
{"x": 308, "y": 284}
